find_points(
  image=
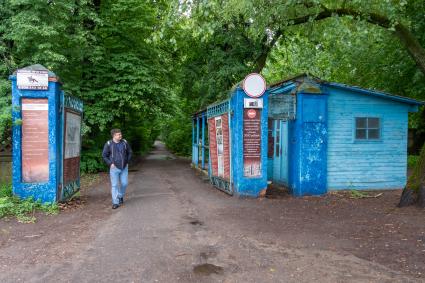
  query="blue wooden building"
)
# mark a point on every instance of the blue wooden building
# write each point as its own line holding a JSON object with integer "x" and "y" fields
{"x": 315, "y": 137}
{"x": 220, "y": 137}
{"x": 326, "y": 136}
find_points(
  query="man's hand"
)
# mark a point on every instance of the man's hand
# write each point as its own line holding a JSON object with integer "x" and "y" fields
{"x": 112, "y": 166}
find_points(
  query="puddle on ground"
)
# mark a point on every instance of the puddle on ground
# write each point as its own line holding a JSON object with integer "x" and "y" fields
{"x": 208, "y": 254}
{"x": 196, "y": 223}
{"x": 207, "y": 269}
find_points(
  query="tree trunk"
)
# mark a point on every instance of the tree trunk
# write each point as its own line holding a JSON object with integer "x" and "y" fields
{"x": 260, "y": 61}
{"x": 416, "y": 51}
{"x": 414, "y": 192}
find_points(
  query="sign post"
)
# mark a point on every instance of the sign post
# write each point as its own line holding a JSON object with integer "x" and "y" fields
{"x": 238, "y": 130}
{"x": 249, "y": 104}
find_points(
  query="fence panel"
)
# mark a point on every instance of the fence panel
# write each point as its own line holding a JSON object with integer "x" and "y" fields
{"x": 5, "y": 165}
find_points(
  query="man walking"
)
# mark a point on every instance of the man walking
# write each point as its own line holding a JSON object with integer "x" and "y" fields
{"x": 117, "y": 153}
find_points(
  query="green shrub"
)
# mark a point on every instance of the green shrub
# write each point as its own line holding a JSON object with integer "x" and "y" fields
{"x": 92, "y": 162}
{"x": 177, "y": 135}
{"x": 22, "y": 209}
{"x": 412, "y": 160}
{"x": 5, "y": 190}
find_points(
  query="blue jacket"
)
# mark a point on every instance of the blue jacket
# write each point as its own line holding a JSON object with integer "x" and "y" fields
{"x": 117, "y": 153}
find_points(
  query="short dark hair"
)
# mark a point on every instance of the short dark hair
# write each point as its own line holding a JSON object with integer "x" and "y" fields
{"x": 115, "y": 131}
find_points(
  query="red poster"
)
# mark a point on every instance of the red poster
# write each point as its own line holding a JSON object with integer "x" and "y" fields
{"x": 218, "y": 128}
{"x": 252, "y": 142}
{"x": 35, "y": 140}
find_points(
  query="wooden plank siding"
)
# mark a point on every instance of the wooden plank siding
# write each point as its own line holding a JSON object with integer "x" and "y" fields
{"x": 354, "y": 164}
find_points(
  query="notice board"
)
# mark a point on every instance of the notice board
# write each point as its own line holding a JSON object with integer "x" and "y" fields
{"x": 252, "y": 142}
{"x": 72, "y": 136}
{"x": 35, "y": 140}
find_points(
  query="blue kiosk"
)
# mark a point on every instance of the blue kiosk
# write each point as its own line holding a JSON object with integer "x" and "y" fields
{"x": 46, "y": 136}
{"x": 234, "y": 147}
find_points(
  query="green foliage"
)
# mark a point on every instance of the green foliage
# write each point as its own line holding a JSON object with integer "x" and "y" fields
{"x": 92, "y": 162}
{"x": 177, "y": 134}
{"x": 103, "y": 51}
{"x": 225, "y": 41}
{"x": 5, "y": 190}
{"x": 23, "y": 210}
{"x": 412, "y": 161}
{"x": 417, "y": 178}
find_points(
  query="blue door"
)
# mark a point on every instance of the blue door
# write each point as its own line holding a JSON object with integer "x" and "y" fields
{"x": 280, "y": 157}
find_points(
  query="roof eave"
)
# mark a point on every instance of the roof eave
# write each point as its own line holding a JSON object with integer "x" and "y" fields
{"x": 384, "y": 95}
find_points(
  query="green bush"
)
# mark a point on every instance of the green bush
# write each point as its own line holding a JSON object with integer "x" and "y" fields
{"x": 5, "y": 190}
{"x": 92, "y": 162}
{"x": 22, "y": 209}
{"x": 5, "y": 111}
{"x": 177, "y": 135}
{"x": 412, "y": 160}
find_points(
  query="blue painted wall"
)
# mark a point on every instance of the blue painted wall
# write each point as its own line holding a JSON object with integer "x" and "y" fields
{"x": 270, "y": 169}
{"x": 308, "y": 136}
{"x": 355, "y": 164}
{"x": 243, "y": 186}
{"x": 46, "y": 192}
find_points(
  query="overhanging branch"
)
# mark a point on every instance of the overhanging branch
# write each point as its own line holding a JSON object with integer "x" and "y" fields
{"x": 407, "y": 38}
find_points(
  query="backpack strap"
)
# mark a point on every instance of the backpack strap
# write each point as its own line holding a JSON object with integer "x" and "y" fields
{"x": 112, "y": 148}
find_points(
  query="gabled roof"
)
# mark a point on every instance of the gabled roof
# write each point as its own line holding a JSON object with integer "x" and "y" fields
{"x": 37, "y": 67}
{"x": 302, "y": 78}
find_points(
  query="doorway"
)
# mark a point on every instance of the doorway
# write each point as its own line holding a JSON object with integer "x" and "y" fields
{"x": 280, "y": 153}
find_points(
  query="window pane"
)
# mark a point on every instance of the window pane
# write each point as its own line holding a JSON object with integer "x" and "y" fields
{"x": 361, "y": 134}
{"x": 361, "y": 123}
{"x": 373, "y": 134}
{"x": 373, "y": 123}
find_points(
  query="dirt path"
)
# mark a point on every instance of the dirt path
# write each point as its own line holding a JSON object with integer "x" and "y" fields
{"x": 174, "y": 227}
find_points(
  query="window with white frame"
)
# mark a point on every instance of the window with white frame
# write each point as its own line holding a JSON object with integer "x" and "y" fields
{"x": 368, "y": 128}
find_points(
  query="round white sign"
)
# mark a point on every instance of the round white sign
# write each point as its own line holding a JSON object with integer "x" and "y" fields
{"x": 254, "y": 85}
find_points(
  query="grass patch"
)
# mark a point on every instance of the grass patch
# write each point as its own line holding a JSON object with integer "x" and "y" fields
{"x": 23, "y": 209}
{"x": 358, "y": 194}
{"x": 412, "y": 160}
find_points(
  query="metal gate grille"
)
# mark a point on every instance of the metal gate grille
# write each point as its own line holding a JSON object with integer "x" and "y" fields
{"x": 222, "y": 184}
